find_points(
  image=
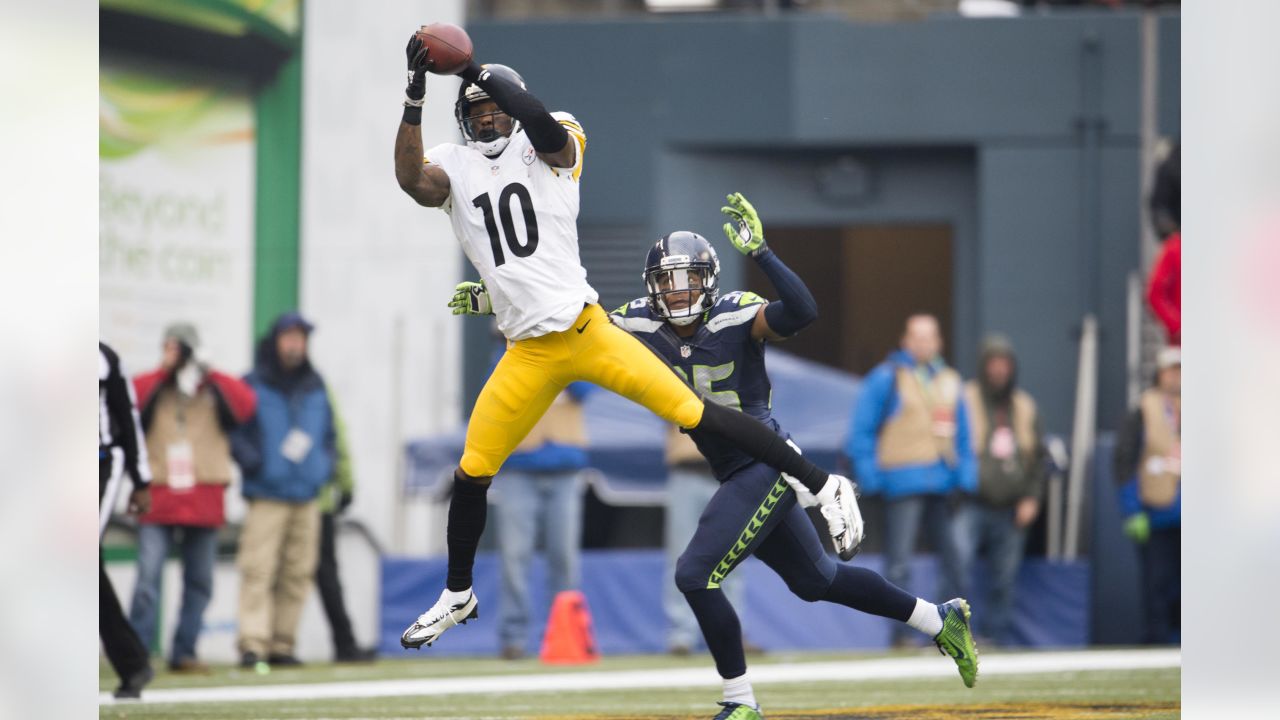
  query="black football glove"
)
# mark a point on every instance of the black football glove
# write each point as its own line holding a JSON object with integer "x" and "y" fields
{"x": 418, "y": 63}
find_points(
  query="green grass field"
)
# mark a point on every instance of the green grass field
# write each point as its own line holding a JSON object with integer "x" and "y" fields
{"x": 1091, "y": 694}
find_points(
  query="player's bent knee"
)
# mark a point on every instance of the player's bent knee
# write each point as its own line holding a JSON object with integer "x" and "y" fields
{"x": 809, "y": 589}
{"x": 463, "y": 476}
{"x": 691, "y": 576}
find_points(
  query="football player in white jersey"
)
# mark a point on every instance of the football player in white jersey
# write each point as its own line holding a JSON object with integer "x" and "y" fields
{"x": 512, "y": 194}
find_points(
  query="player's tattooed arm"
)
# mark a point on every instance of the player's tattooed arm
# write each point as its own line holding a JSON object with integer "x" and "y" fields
{"x": 427, "y": 184}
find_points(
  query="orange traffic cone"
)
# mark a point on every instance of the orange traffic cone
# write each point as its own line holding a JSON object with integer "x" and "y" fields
{"x": 568, "y": 639}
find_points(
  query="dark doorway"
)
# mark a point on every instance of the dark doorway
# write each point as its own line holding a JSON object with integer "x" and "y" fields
{"x": 866, "y": 279}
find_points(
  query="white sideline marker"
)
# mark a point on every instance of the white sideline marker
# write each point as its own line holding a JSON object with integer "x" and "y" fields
{"x": 761, "y": 674}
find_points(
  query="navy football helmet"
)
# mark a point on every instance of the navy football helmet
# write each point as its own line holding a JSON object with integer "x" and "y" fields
{"x": 490, "y": 141}
{"x": 682, "y": 265}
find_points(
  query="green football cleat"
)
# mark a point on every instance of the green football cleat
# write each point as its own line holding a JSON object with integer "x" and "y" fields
{"x": 956, "y": 639}
{"x": 738, "y": 711}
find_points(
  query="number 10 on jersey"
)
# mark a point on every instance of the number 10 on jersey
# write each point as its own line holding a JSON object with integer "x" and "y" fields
{"x": 521, "y": 193}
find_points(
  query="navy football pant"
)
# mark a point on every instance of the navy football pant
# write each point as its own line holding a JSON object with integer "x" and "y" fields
{"x": 755, "y": 513}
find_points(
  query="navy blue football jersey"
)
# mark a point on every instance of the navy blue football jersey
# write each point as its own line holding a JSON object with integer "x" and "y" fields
{"x": 721, "y": 361}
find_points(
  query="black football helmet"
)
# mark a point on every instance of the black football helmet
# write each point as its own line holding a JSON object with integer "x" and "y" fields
{"x": 490, "y": 141}
{"x": 680, "y": 262}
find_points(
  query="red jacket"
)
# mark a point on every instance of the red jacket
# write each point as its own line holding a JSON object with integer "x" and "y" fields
{"x": 202, "y": 504}
{"x": 1164, "y": 289}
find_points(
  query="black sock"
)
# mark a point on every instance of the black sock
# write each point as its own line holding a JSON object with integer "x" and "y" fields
{"x": 467, "y": 511}
{"x": 867, "y": 591}
{"x": 760, "y": 442}
{"x": 721, "y": 630}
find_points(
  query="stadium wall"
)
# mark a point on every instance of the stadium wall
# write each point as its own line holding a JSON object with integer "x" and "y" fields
{"x": 1046, "y": 224}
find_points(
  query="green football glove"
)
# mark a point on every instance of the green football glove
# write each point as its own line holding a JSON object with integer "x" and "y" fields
{"x": 471, "y": 298}
{"x": 748, "y": 237}
{"x": 1138, "y": 527}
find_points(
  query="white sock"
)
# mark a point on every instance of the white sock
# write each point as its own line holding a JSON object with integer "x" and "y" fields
{"x": 925, "y": 618}
{"x": 457, "y": 596}
{"x": 739, "y": 690}
{"x": 827, "y": 494}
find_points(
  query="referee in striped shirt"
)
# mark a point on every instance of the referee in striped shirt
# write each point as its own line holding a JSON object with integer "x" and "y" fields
{"x": 120, "y": 438}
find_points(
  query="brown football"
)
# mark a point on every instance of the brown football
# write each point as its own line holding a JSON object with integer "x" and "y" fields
{"x": 448, "y": 45}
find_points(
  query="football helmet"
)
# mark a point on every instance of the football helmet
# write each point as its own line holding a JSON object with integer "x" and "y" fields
{"x": 682, "y": 262}
{"x": 488, "y": 141}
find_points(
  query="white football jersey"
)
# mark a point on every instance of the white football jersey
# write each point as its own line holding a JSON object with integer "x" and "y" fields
{"x": 517, "y": 220}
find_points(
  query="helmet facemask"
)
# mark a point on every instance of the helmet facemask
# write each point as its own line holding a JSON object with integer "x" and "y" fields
{"x": 681, "y": 289}
{"x": 485, "y": 137}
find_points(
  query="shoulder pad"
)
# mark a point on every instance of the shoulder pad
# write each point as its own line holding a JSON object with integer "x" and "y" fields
{"x": 733, "y": 309}
{"x": 637, "y": 316}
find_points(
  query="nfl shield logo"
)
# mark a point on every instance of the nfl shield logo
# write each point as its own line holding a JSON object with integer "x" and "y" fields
{"x": 685, "y": 351}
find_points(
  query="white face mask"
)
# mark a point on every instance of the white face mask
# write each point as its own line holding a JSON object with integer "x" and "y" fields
{"x": 679, "y": 280}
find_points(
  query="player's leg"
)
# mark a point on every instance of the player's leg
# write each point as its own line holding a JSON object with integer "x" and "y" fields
{"x": 612, "y": 358}
{"x": 793, "y": 551}
{"x": 902, "y": 526}
{"x": 517, "y": 394}
{"x": 738, "y": 517}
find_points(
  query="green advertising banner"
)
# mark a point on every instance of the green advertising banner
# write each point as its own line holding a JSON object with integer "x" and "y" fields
{"x": 176, "y": 214}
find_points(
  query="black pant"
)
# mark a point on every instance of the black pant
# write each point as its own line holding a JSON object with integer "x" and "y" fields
{"x": 125, "y": 650}
{"x": 1162, "y": 584}
{"x": 344, "y": 642}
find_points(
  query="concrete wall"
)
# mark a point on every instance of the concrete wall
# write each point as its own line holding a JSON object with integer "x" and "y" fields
{"x": 978, "y": 122}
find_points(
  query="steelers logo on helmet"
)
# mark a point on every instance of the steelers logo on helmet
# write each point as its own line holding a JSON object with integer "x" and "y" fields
{"x": 484, "y": 126}
{"x": 681, "y": 275}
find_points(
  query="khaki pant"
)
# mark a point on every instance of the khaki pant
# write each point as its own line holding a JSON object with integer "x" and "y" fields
{"x": 279, "y": 547}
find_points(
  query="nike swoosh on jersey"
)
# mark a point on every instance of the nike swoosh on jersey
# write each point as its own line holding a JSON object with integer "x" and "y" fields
{"x": 584, "y": 326}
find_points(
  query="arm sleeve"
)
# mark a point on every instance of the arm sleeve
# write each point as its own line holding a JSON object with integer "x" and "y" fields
{"x": 966, "y": 461}
{"x": 795, "y": 308}
{"x": 865, "y": 428}
{"x": 239, "y": 398}
{"x": 124, "y": 408}
{"x": 545, "y": 133}
{"x": 343, "y": 476}
{"x": 1161, "y": 290}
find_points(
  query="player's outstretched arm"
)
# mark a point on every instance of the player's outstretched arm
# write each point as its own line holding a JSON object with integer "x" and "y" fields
{"x": 548, "y": 137}
{"x": 426, "y": 184}
{"x": 795, "y": 308}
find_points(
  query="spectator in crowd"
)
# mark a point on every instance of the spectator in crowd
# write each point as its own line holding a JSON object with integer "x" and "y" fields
{"x": 188, "y": 413}
{"x": 1166, "y": 195}
{"x": 1012, "y": 469}
{"x": 690, "y": 485}
{"x": 1148, "y": 466}
{"x": 541, "y": 494}
{"x": 909, "y": 443}
{"x": 120, "y": 443}
{"x": 286, "y": 453}
{"x": 335, "y": 498}
{"x": 1164, "y": 288}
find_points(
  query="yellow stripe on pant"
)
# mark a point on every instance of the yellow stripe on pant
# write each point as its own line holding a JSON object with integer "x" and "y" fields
{"x": 534, "y": 371}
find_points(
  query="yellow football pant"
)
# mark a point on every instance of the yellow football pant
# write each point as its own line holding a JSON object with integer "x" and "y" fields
{"x": 533, "y": 372}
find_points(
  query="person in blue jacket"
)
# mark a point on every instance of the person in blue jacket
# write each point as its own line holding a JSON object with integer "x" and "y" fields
{"x": 286, "y": 454}
{"x": 1148, "y": 467}
{"x": 909, "y": 443}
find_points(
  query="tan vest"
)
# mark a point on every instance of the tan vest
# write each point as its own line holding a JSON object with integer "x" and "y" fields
{"x": 1023, "y": 410}
{"x": 177, "y": 418}
{"x": 923, "y": 430}
{"x": 561, "y": 424}
{"x": 1159, "y": 480}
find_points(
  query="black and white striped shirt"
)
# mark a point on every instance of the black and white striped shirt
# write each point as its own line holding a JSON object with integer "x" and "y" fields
{"x": 118, "y": 424}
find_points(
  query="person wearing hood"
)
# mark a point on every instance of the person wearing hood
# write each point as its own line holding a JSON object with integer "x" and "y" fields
{"x": 287, "y": 453}
{"x": 1012, "y": 468}
{"x": 1148, "y": 469}
{"x": 189, "y": 412}
{"x": 909, "y": 443}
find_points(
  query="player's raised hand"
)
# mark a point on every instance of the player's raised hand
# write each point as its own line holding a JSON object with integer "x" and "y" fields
{"x": 418, "y": 61}
{"x": 471, "y": 298}
{"x": 748, "y": 235}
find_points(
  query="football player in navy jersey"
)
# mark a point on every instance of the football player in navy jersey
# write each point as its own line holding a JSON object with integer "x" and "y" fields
{"x": 716, "y": 342}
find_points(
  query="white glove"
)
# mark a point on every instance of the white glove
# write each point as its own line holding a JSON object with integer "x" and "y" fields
{"x": 805, "y": 498}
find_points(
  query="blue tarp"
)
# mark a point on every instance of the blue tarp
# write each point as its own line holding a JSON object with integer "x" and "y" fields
{"x": 624, "y": 592}
{"x": 810, "y": 400}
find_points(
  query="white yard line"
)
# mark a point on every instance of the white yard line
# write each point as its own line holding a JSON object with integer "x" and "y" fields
{"x": 845, "y": 670}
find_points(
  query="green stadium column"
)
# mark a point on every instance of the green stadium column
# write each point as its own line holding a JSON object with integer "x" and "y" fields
{"x": 278, "y": 108}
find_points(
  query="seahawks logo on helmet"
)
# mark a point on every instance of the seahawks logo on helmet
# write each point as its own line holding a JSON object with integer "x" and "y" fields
{"x": 681, "y": 276}
{"x": 487, "y": 140}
